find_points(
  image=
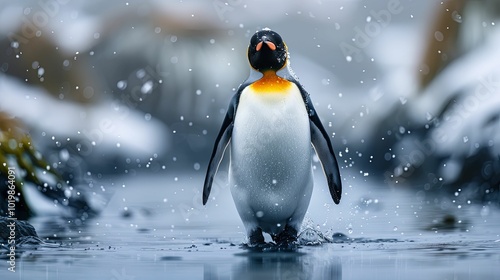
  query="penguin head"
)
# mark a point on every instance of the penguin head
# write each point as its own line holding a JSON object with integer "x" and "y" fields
{"x": 267, "y": 51}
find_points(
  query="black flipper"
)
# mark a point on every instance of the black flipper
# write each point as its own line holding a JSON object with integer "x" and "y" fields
{"x": 221, "y": 143}
{"x": 324, "y": 150}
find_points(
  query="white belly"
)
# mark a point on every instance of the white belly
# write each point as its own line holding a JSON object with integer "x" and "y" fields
{"x": 270, "y": 170}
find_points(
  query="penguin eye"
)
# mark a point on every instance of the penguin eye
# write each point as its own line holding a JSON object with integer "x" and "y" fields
{"x": 255, "y": 39}
{"x": 277, "y": 39}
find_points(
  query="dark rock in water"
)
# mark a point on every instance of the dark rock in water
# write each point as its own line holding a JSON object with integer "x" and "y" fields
{"x": 171, "y": 258}
{"x": 126, "y": 214}
{"x": 339, "y": 237}
{"x": 20, "y": 230}
{"x": 448, "y": 222}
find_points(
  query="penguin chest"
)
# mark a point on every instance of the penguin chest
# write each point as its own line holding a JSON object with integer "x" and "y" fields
{"x": 271, "y": 150}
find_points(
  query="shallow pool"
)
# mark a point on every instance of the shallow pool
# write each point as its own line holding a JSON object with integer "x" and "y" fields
{"x": 154, "y": 227}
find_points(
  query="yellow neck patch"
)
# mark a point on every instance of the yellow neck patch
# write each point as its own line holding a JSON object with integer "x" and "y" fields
{"x": 271, "y": 83}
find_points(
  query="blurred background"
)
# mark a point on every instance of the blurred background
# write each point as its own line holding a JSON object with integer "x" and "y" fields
{"x": 91, "y": 91}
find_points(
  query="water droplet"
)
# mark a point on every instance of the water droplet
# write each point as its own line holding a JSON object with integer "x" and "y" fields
{"x": 259, "y": 214}
{"x": 141, "y": 73}
{"x": 64, "y": 154}
{"x": 41, "y": 71}
{"x": 121, "y": 84}
{"x": 395, "y": 228}
{"x": 196, "y": 166}
{"x": 147, "y": 87}
{"x": 439, "y": 36}
{"x": 456, "y": 16}
{"x": 67, "y": 193}
{"x": 348, "y": 58}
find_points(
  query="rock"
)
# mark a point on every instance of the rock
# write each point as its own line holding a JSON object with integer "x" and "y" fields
{"x": 22, "y": 229}
{"x": 339, "y": 237}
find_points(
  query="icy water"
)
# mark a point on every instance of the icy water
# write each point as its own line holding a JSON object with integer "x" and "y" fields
{"x": 154, "y": 227}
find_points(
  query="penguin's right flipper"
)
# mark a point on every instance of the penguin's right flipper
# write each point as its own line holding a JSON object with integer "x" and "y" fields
{"x": 221, "y": 143}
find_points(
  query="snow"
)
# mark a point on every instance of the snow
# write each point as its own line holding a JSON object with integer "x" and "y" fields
{"x": 103, "y": 124}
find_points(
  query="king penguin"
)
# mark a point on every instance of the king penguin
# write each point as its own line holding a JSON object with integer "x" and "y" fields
{"x": 269, "y": 128}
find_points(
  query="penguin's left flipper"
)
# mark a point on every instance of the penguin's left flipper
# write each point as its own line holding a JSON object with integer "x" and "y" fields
{"x": 221, "y": 143}
{"x": 324, "y": 150}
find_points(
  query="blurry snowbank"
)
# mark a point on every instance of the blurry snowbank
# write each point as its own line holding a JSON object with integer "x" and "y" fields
{"x": 102, "y": 127}
{"x": 445, "y": 136}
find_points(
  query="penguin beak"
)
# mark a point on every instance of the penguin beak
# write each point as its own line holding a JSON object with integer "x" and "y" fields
{"x": 269, "y": 44}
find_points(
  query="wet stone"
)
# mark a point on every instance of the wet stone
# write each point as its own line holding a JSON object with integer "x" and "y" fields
{"x": 22, "y": 230}
{"x": 339, "y": 237}
{"x": 171, "y": 258}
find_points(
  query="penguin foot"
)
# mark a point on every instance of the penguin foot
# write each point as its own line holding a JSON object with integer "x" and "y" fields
{"x": 287, "y": 236}
{"x": 256, "y": 238}
{"x": 285, "y": 241}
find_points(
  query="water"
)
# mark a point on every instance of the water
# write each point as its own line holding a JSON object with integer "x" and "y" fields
{"x": 156, "y": 228}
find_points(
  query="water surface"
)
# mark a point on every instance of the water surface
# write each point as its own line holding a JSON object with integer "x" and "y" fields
{"x": 154, "y": 227}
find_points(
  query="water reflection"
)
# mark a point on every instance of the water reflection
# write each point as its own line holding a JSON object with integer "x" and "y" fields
{"x": 279, "y": 265}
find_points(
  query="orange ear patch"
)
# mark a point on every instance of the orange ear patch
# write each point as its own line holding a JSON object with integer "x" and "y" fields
{"x": 271, "y": 83}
